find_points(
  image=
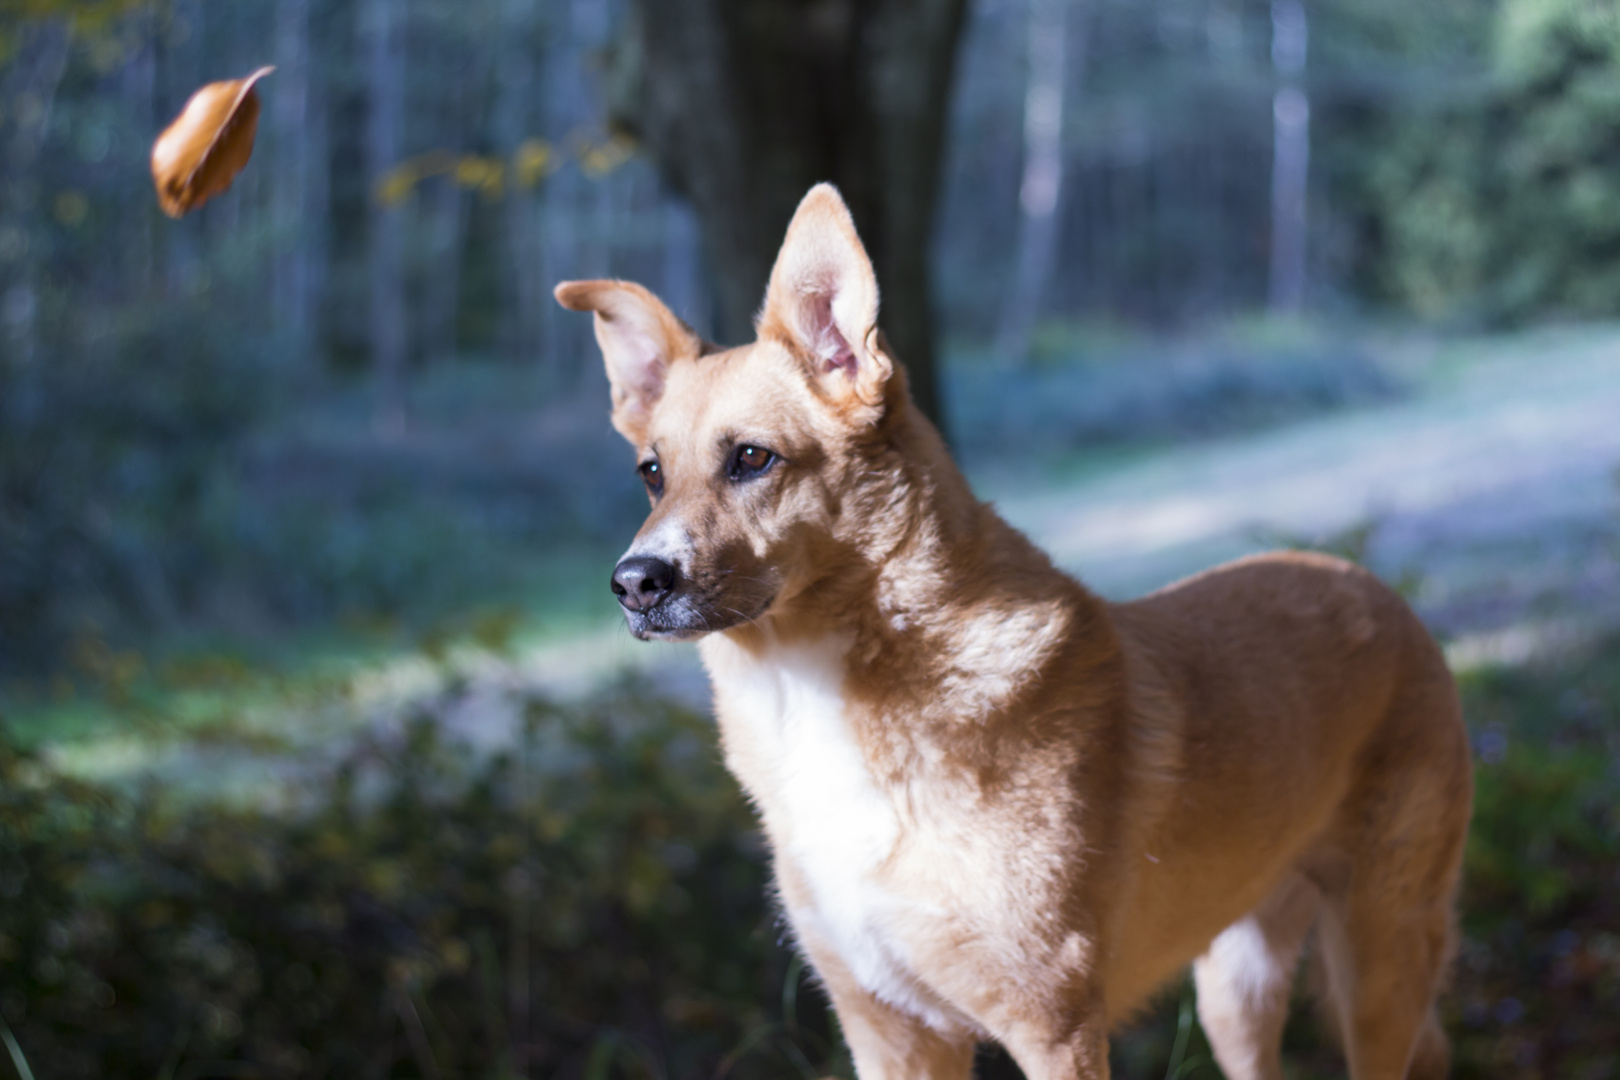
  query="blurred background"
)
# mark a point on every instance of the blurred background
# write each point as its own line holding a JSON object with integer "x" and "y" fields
{"x": 323, "y": 751}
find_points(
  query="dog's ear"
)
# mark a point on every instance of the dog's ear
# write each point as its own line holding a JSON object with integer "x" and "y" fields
{"x": 823, "y": 303}
{"x": 640, "y": 338}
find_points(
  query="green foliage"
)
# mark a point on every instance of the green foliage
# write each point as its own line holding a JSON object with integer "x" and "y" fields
{"x": 1503, "y": 203}
{"x": 1560, "y": 160}
{"x": 592, "y": 902}
{"x": 1547, "y": 830}
{"x": 1437, "y": 239}
{"x": 1538, "y": 973}
{"x": 1546, "y": 833}
{"x": 87, "y": 18}
{"x": 589, "y": 903}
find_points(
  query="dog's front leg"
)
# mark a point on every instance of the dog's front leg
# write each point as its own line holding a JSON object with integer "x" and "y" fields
{"x": 1055, "y": 1029}
{"x": 1081, "y": 1054}
{"x": 888, "y": 1043}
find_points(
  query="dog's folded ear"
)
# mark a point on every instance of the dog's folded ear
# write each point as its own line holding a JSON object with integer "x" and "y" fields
{"x": 640, "y": 338}
{"x": 823, "y": 303}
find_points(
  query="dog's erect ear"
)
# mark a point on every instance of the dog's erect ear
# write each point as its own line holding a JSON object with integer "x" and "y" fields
{"x": 823, "y": 302}
{"x": 640, "y": 338}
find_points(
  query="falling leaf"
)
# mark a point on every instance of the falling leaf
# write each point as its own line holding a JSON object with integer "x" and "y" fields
{"x": 199, "y": 154}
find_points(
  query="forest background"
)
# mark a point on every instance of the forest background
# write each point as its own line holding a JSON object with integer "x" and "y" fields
{"x": 318, "y": 757}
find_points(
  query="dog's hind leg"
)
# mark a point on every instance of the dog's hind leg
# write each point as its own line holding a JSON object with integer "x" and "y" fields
{"x": 1387, "y": 934}
{"x": 1383, "y": 975}
{"x": 1245, "y": 978}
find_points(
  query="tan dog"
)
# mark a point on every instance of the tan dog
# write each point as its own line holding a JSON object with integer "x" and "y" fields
{"x": 1000, "y": 807}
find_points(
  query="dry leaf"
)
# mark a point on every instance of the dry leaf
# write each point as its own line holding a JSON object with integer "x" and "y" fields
{"x": 199, "y": 154}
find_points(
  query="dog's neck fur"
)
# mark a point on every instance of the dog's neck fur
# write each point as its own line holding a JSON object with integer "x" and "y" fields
{"x": 932, "y": 590}
{"x": 910, "y": 683}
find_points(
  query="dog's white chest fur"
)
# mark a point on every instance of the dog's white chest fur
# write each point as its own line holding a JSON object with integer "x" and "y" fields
{"x": 790, "y": 742}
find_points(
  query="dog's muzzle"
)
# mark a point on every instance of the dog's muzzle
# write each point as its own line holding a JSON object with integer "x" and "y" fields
{"x": 660, "y": 603}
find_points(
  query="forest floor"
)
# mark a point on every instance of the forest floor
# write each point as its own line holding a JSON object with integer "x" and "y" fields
{"x": 1488, "y": 490}
{"x": 1491, "y": 492}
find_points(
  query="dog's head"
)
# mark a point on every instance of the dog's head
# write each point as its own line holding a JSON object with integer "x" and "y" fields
{"x": 751, "y": 456}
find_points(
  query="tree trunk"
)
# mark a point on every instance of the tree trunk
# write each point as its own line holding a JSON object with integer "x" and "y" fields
{"x": 32, "y": 84}
{"x": 183, "y": 69}
{"x": 385, "y": 71}
{"x": 1051, "y": 55}
{"x": 138, "y": 84}
{"x": 682, "y": 270}
{"x": 464, "y": 68}
{"x": 290, "y": 270}
{"x": 745, "y": 104}
{"x": 525, "y": 298}
{"x": 447, "y": 214}
{"x": 1291, "y": 155}
{"x": 316, "y": 231}
{"x": 565, "y": 107}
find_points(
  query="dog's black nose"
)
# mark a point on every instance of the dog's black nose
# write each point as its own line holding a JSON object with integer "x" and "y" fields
{"x": 641, "y": 582}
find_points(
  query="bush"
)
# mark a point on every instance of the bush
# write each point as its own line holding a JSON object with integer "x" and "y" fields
{"x": 1503, "y": 204}
{"x": 1538, "y": 976}
{"x": 591, "y": 901}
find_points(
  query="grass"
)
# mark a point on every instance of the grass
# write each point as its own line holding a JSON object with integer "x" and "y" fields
{"x": 588, "y": 902}
{"x": 190, "y": 681}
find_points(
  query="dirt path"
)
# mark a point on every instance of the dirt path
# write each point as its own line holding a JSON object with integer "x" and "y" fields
{"x": 1496, "y": 485}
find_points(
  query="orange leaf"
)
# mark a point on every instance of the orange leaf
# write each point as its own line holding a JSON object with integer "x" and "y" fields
{"x": 211, "y": 140}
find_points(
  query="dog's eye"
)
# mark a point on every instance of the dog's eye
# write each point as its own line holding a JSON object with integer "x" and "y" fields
{"x": 748, "y": 462}
{"x": 652, "y": 474}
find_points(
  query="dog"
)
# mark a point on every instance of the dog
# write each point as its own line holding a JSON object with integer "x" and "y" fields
{"x": 999, "y": 807}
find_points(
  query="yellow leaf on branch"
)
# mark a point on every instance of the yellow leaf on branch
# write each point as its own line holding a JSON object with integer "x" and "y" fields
{"x": 533, "y": 162}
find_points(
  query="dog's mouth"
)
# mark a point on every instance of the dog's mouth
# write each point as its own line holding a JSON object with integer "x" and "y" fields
{"x": 684, "y": 617}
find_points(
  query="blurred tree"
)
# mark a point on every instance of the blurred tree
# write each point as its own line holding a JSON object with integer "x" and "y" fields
{"x": 511, "y": 119}
{"x": 1502, "y": 203}
{"x": 385, "y": 67}
{"x": 1290, "y": 157}
{"x": 747, "y": 103}
{"x": 1051, "y": 58}
{"x": 293, "y": 265}
{"x": 30, "y": 94}
{"x": 1559, "y": 162}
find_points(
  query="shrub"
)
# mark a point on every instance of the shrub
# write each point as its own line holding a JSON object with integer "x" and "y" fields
{"x": 590, "y": 901}
{"x": 1502, "y": 204}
